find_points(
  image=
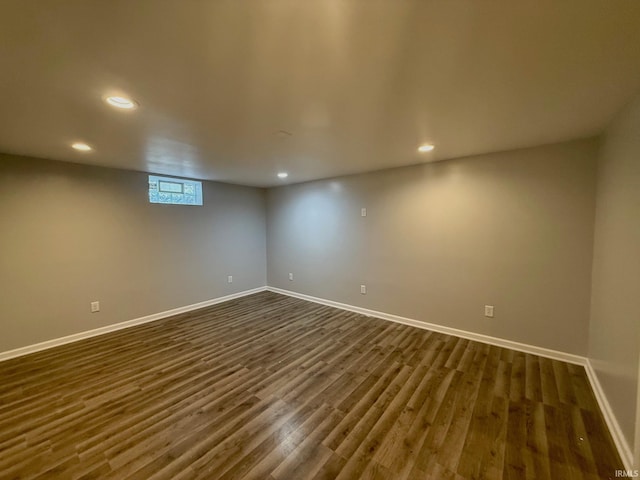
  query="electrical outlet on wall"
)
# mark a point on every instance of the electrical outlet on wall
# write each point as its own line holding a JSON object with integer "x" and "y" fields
{"x": 230, "y": 279}
{"x": 363, "y": 212}
{"x": 363, "y": 289}
{"x": 291, "y": 276}
{"x": 95, "y": 307}
{"x": 488, "y": 311}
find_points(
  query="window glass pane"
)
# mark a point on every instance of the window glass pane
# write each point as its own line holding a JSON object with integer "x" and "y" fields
{"x": 176, "y": 191}
{"x": 171, "y": 187}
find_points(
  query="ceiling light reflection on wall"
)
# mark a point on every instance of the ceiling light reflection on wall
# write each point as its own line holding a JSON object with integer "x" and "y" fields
{"x": 81, "y": 147}
{"x": 121, "y": 102}
{"x": 425, "y": 148}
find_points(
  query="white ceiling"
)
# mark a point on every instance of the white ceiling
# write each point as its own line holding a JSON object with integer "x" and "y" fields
{"x": 359, "y": 83}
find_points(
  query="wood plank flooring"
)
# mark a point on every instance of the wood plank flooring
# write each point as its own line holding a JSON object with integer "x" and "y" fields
{"x": 269, "y": 387}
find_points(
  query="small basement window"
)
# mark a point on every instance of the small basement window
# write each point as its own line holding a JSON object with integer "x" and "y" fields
{"x": 175, "y": 191}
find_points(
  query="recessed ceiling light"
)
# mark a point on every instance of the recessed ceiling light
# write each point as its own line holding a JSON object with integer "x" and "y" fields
{"x": 81, "y": 147}
{"x": 121, "y": 102}
{"x": 425, "y": 148}
{"x": 283, "y": 175}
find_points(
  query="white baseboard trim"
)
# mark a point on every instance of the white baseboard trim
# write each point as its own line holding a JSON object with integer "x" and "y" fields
{"x": 499, "y": 342}
{"x": 624, "y": 449}
{"x": 19, "y": 352}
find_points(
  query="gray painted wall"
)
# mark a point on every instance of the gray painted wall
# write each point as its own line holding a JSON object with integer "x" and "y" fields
{"x": 441, "y": 240}
{"x": 614, "y": 340}
{"x": 73, "y": 234}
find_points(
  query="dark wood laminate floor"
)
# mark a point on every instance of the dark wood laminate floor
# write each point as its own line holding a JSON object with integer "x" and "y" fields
{"x": 272, "y": 387}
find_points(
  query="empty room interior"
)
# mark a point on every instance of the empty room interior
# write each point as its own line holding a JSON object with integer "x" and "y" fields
{"x": 320, "y": 239}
